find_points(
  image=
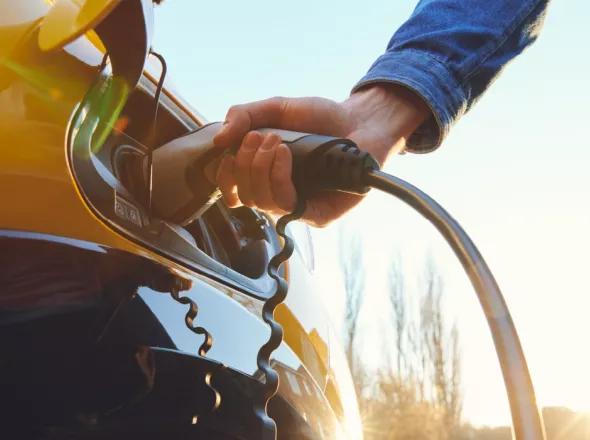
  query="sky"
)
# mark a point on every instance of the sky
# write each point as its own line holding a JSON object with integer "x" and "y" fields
{"x": 513, "y": 172}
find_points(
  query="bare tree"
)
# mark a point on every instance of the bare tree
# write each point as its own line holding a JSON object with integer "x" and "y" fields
{"x": 455, "y": 393}
{"x": 441, "y": 349}
{"x": 418, "y": 392}
{"x": 399, "y": 314}
{"x": 351, "y": 261}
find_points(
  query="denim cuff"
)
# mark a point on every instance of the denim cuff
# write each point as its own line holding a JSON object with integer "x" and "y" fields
{"x": 430, "y": 79}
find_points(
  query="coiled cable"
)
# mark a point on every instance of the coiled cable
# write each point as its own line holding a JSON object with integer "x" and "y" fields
{"x": 263, "y": 360}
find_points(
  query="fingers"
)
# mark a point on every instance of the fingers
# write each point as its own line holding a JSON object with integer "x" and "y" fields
{"x": 227, "y": 182}
{"x": 242, "y": 119}
{"x": 260, "y": 172}
{"x": 259, "y": 176}
{"x": 310, "y": 115}
{"x": 242, "y": 165}
{"x": 283, "y": 190}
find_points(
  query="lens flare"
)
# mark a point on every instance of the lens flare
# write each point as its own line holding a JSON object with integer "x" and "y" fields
{"x": 107, "y": 105}
{"x": 102, "y": 104}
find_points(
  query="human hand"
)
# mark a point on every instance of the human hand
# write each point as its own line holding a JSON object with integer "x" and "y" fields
{"x": 379, "y": 119}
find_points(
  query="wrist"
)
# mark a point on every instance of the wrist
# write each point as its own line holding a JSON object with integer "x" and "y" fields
{"x": 390, "y": 110}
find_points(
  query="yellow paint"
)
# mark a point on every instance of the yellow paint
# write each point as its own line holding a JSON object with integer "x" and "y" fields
{"x": 37, "y": 189}
{"x": 70, "y": 19}
{"x": 95, "y": 41}
{"x": 300, "y": 342}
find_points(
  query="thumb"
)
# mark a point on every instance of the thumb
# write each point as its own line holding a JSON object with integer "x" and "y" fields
{"x": 244, "y": 118}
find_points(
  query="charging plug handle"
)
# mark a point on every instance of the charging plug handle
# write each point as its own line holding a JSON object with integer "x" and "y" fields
{"x": 324, "y": 163}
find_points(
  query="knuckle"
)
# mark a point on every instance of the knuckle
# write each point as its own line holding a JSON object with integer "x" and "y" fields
{"x": 274, "y": 138}
{"x": 277, "y": 99}
{"x": 258, "y": 168}
{"x": 235, "y": 109}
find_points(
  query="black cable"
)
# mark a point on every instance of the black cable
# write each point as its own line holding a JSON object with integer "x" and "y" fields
{"x": 527, "y": 421}
{"x": 152, "y": 135}
{"x": 263, "y": 359}
{"x": 189, "y": 320}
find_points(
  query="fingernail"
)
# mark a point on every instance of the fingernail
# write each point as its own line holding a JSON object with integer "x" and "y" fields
{"x": 266, "y": 146}
{"x": 251, "y": 141}
{"x": 271, "y": 141}
{"x": 223, "y": 128}
{"x": 282, "y": 153}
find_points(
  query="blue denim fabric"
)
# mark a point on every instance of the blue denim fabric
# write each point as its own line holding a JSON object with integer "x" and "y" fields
{"x": 451, "y": 51}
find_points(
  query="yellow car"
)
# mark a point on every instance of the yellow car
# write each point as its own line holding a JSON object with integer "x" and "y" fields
{"x": 118, "y": 322}
{"x": 93, "y": 344}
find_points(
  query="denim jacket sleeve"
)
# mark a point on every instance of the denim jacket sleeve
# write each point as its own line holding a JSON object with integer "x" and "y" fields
{"x": 451, "y": 51}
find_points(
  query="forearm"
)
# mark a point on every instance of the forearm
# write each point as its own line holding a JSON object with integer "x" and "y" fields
{"x": 391, "y": 110}
{"x": 450, "y": 51}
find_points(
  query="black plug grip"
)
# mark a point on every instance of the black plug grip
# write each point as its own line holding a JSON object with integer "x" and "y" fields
{"x": 324, "y": 163}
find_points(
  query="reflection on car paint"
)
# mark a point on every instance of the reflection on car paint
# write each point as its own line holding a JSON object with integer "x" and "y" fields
{"x": 38, "y": 94}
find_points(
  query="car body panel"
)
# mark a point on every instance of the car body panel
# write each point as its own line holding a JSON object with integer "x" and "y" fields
{"x": 69, "y": 19}
{"x": 63, "y": 294}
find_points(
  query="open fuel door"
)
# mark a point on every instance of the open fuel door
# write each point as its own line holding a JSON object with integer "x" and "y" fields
{"x": 70, "y": 19}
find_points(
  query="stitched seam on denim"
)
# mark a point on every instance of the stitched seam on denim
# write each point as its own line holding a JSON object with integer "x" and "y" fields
{"x": 451, "y": 74}
{"x": 442, "y": 128}
{"x": 454, "y": 87}
{"x": 495, "y": 45}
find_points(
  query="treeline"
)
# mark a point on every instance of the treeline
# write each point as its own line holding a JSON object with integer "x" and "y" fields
{"x": 422, "y": 423}
{"x": 560, "y": 424}
{"x": 416, "y": 394}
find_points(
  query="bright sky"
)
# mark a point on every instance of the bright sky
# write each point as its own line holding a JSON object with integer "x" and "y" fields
{"x": 514, "y": 172}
